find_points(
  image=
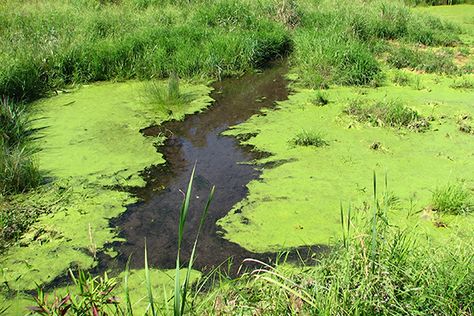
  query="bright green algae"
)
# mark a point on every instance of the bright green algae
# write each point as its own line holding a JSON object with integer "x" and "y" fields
{"x": 297, "y": 203}
{"x": 89, "y": 141}
{"x": 93, "y": 132}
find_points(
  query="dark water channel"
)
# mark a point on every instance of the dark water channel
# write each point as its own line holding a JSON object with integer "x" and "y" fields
{"x": 221, "y": 161}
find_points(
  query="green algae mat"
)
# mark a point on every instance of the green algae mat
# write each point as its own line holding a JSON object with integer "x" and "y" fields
{"x": 90, "y": 144}
{"x": 297, "y": 203}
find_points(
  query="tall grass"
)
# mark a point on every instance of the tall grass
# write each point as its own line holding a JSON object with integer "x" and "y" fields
{"x": 340, "y": 44}
{"x": 376, "y": 268}
{"x": 18, "y": 170}
{"x": 52, "y": 44}
{"x": 181, "y": 286}
{"x": 55, "y": 43}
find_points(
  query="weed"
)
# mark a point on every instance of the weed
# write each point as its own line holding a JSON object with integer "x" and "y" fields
{"x": 320, "y": 99}
{"x": 309, "y": 138}
{"x": 401, "y": 78}
{"x": 166, "y": 98}
{"x": 14, "y": 123}
{"x": 387, "y": 113}
{"x": 463, "y": 83}
{"x": 452, "y": 199}
{"x": 428, "y": 61}
{"x": 93, "y": 298}
{"x": 18, "y": 170}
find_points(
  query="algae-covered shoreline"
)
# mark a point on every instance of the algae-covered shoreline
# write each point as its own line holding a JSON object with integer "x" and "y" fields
{"x": 390, "y": 111}
{"x": 91, "y": 148}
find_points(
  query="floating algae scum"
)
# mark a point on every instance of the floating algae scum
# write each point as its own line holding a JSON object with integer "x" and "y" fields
{"x": 119, "y": 168}
{"x": 220, "y": 162}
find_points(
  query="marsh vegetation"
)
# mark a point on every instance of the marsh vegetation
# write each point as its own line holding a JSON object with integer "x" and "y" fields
{"x": 372, "y": 82}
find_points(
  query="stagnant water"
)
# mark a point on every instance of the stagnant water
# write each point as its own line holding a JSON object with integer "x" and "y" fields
{"x": 221, "y": 161}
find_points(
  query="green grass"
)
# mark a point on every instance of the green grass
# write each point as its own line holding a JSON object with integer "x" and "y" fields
{"x": 453, "y": 199}
{"x": 166, "y": 98}
{"x": 375, "y": 268}
{"x": 463, "y": 83}
{"x": 386, "y": 113}
{"x": 402, "y": 78}
{"x": 18, "y": 170}
{"x": 309, "y": 138}
{"x": 320, "y": 99}
{"x": 54, "y": 44}
{"x": 426, "y": 61}
{"x": 61, "y": 43}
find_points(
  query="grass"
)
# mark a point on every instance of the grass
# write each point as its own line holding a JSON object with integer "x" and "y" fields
{"x": 463, "y": 83}
{"x": 320, "y": 99}
{"x": 18, "y": 170}
{"x": 375, "y": 268}
{"x": 426, "y": 61}
{"x": 402, "y": 78}
{"x": 453, "y": 199}
{"x": 166, "y": 98}
{"x": 55, "y": 44}
{"x": 386, "y": 113}
{"x": 309, "y": 138}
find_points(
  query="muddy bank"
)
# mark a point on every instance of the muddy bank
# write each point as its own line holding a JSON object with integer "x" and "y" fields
{"x": 221, "y": 161}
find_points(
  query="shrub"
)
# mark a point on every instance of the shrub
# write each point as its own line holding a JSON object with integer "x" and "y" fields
{"x": 452, "y": 199}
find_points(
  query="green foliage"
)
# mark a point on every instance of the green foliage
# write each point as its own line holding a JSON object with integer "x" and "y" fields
{"x": 401, "y": 78}
{"x": 453, "y": 199}
{"x": 18, "y": 170}
{"x": 83, "y": 42}
{"x": 166, "y": 98}
{"x": 14, "y": 123}
{"x": 93, "y": 298}
{"x": 386, "y": 113}
{"x": 340, "y": 44}
{"x": 309, "y": 138}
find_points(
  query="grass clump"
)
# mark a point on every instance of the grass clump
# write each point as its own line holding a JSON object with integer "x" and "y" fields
{"x": 14, "y": 123}
{"x": 463, "y": 83}
{"x": 320, "y": 99}
{"x": 427, "y": 61}
{"x": 18, "y": 171}
{"x": 452, "y": 199}
{"x": 465, "y": 125}
{"x": 402, "y": 78}
{"x": 309, "y": 138}
{"x": 387, "y": 113}
{"x": 168, "y": 97}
